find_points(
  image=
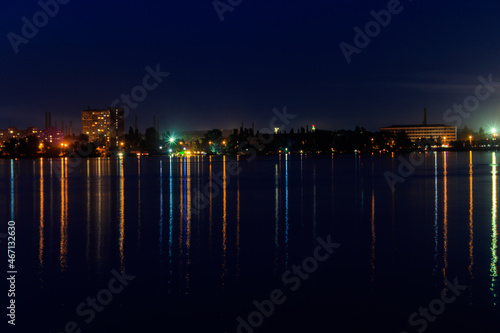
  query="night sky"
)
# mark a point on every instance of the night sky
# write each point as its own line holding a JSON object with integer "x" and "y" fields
{"x": 264, "y": 55}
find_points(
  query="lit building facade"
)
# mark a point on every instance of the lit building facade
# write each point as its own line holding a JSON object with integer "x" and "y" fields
{"x": 107, "y": 125}
{"x": 51, "y": 135}
{"x": 95, "y": 124}
{"x": 11, "y": 133}
{"x": 32, "y": 131}
{"x": 15, "y": 133}
{"x": 117, "y": 125}
{"x": 440, "y": 133}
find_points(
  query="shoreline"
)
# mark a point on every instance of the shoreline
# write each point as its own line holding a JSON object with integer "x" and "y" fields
{"x": 130, "y": 155}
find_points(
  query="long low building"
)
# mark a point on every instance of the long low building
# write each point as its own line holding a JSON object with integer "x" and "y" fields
{"x": 442, "y": 133}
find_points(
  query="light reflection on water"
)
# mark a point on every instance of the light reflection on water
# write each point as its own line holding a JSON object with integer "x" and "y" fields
{"x": 286, "y": 213}
{"x": 121, "y": 209}
{"x": 170, "y": 224}
{"x": 41, "y": 243}
{"x": 133, "y": 213}
{"x": 471, "y": 224}
{"x": 436, "y": 215}
{"x": 494, "y": 232}
{"x": 224, "y": 222}
{"x": 373, "y": 229}
{"x": 445, "y": 214}
{"x": 63, "y": 248}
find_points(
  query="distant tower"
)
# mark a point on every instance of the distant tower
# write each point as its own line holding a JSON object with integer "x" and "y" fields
{"x": 425, "y": 117}
{"x": 70, "y": 128}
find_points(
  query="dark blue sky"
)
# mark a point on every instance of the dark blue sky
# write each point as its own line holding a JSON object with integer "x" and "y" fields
{"x": 264, "y": 54}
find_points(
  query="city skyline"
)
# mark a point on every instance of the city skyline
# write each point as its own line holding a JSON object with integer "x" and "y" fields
{"x": 261, "y": 56}
{"x": 250, "y": 166}
{"x": 128, "y": 122}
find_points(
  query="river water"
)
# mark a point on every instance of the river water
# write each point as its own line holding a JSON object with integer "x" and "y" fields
{"x": 208, "y": 243}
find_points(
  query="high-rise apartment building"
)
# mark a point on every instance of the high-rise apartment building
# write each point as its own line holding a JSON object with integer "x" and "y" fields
{"x": 107, "y": 125}
{"x": 117, "y": 125}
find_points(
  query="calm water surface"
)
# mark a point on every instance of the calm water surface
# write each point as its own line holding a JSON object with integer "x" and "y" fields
{"x": 200, "y": 260}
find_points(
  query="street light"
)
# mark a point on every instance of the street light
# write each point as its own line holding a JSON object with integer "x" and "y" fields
{"x": 470, "y": 140}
